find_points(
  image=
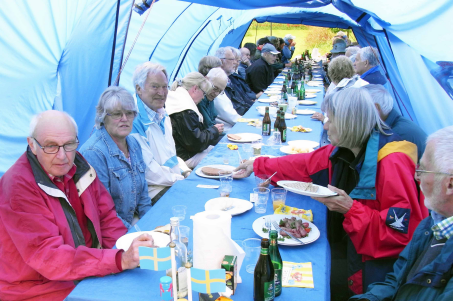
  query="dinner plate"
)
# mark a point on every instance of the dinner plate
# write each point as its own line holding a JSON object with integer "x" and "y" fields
{"x": 273, "y": 93}
{"x": 246, "y": 137}
{"x": 266, "y": 100}
{"x": 288, "y": 149}
{"x": 304, "y": 143}
{"x": 259, "y": 224}
{"x": 317, "y": 75}
{"x": 199, "y": 173}
{"x": 160, "y": 239}
{"x": 307, "y": 102}
{"x": 314, "y": 84}
{"x": 310, "y": 95}
{"x": 305, "y": 112}
{"x": 238, "y": 205}
{"x": 268, "y": 156}
{"x": 312, "y": 91}
{"x": 322, "y": 192}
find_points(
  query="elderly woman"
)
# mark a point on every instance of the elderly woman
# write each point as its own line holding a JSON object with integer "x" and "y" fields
{"x": 378, "y": 205}
{"x": 219, "y": 80}
{"x": 117, "y": 157}
{"x": 193, "y": 139}
{"x": 207, "y": 63}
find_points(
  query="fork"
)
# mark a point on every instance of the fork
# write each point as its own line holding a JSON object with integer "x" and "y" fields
{"x": 290, "y": 235}
{"x": 268, "y": 225}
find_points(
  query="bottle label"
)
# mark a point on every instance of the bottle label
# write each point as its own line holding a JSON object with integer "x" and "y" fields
{"x": 269, "y": 291}
{"x": 284, "y": 136}
{"x": 278, "y": 281}
{"x": 266, "y": 130}
{"x": 264, "y": 251}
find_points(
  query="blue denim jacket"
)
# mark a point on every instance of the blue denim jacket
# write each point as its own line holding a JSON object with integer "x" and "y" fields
{"x": 125, "y": 182}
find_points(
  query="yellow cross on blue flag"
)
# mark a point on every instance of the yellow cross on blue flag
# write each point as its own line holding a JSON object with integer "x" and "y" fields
{"x": 208, "y": 281}
{"x": 156, "y": 259}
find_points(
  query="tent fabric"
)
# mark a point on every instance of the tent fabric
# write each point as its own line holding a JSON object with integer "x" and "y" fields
{"x": 63, "y": 54}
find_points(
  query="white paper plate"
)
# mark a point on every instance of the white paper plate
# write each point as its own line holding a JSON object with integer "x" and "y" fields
{"x": 259, "y": 223}
{"x": 288, "y": 116}
{"x": 246, "y": 137}
{"x": 312, "y": 91}
{"x": 266, "y": 100}
{"x": 239, "y": 205}
{"x": 273, "y": 92}
{"x": 315, "y": 84}
{"x": 304, "y": 143}
{"x": 305, "y": 112}
{"x": 287, "y": 149}
{"x": 199, "y": 173}
{"x": 160, "y": 239}
{"x": 323, "y": 192}
{"x": 310, "y": 96}
{"x": 307, "y": 102}
{"x": 317, "y": 75}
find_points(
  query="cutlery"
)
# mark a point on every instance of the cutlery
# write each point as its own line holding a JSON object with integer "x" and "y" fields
{"x": 290, "y": 235}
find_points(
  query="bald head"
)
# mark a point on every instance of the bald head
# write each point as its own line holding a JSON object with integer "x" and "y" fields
{"x": 52, "y": 119}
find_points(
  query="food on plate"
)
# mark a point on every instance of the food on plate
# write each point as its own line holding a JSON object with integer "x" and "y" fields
{"x": 295, "y": 227}
{"x": 163, "y": 229}
{"x": 300, "y": 150}
{"x": 232, "y": 146}
{"x": 299, "y": 128}
{"x": 211, "y": 171}
{"x": 302, "y": 213}
{"x": 304, "y": 186}
{"x": 234, "y": 137}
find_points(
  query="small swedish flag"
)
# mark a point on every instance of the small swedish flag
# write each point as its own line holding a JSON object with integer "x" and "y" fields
{"x": 208, "y": 281}
{"x": 156, "y": 259}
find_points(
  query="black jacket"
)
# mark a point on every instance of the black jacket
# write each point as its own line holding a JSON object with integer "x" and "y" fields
{"x": 259, "y": 75}
{"x": 190, "y": 135}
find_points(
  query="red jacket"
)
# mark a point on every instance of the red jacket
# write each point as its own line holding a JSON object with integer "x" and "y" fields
{"x": 366, "y": 222}
{"x": 39, "y": 259}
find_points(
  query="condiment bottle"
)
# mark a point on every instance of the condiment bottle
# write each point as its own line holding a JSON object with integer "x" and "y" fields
{"x": 166, "y": 289}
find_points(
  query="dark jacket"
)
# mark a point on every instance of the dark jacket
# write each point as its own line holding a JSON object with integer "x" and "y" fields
{"x": 432, "y": 282}
{"x": 241, "y": 70}
{"x": 234, "y": 91}
{"x": 207, "y": 109}
{"x": 374, "y": 76}
{"x": 260, "y": 75}
{"x": 191, "y": 136}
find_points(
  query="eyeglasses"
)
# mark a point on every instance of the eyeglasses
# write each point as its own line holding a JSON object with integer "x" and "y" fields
{"x": 204, "y": 93}
{"x": 119, "y": 115}
{"x": 419, "y": 171}
{"x": 224, "y": 58}
{"x": 217, "y": 90}
{"x": 53, "y": 149}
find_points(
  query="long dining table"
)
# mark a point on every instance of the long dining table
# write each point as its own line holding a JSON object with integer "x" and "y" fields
{"x": 140, "y": 284}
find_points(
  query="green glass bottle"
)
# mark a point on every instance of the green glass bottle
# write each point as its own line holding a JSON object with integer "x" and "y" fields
{"x": 276, "y": 262}
{"x": 263, "y": 276}
{"x": 302, "y": 91}
{"x": 296, "y": 89}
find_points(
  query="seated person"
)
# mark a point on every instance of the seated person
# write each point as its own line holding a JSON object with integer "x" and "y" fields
{"x": 117, "y": 157}
{"x": 193, "y": 139}
{"x": 252, "y": 48}
{"x": 288, "y": 48}
{"x": 235, "y": 87}
{"x": 423, "y": 270}
{"x": 351, "y": 50}
{"x": 405, "y": 128}
{"x": 245, "y": 61}
{"x": 259, "y": 45}
{"x": 339, "y": 48}
{"x": 372, "y": 171}
{"x": 152, "y": 129}
{"x": 57, "y": 221}
{"x": 260, "y": 74}
{"x": 367, "y": 66}
{"x": 218, "y": 79}
{"x": 207, "y": 63}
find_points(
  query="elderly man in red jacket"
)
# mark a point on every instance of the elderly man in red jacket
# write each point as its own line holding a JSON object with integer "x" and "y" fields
{"x": 57, "y": 221}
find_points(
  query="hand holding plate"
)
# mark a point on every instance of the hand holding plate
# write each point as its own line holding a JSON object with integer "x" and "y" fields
{"x": 341, "y": 203}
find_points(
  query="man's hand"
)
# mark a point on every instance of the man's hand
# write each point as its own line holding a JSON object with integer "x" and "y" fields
{"x": 130, "y": 258}
{"x": 318, "y": 116}
{"x": 219, "y": 127}
{"x": 245, "y": 60}
{"x": 341, "y": 203}
{"x": 293, "y": 44}
{"x": 258, "y": 95}
{"x": 244, "y": 170}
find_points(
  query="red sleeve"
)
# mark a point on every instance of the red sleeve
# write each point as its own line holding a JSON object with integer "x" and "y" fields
{"x": 297, "y": 167}
{"x": 118, "y": 257}
{"x": 365, "y": 222}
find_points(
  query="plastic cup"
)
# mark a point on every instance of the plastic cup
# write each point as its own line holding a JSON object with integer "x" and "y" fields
{"x": 261, "y": 181}
{"x": 283, "y": 107}
{"x": 225, "y": 190}
{"x": 261, "y": 200}
{"x": 248, "y": 150}
{"x": 278, "y": 197}
{"x": 179, "y": 211}
{"x": 226, "y": 158}
{"x": 252, "y": 247}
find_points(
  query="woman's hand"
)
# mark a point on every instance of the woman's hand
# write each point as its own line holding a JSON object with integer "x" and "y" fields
{"x": 340, "y": 203}
{"x": 318, "y": 116}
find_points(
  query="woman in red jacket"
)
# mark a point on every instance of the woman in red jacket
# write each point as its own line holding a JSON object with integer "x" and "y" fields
{"x": 378, "y": 204}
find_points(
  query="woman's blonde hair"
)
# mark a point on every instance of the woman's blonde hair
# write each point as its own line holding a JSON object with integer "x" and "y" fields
{"x": 339, "y": 68}
{"x": 192, "y": 79}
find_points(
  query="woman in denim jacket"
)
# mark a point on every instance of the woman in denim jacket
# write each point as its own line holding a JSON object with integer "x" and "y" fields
{"x": 117, "y": 157}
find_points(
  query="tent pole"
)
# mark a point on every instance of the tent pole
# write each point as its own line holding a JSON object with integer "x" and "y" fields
{"x": 271, "y": 28}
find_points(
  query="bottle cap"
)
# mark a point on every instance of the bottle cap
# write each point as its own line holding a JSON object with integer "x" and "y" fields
{"x": 174, "y": 221}
{"x": 273, "y": 234}
{"x": 165, "y": 281}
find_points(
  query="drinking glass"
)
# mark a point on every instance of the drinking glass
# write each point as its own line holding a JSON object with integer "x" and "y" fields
{"x": 247, "y": 148}
{"x": 226, "y": 158}
{"x": 184, "y": 231}
{"x": 260, "y": 180}
{"x": 275, "y": 140}
{"x": 179, "y": 211}
{"x": 278, "y": 197}
{"x": 225, "y": 190}
{"x": 252, "y": 247}
{"x": 261, "y": 200}
{"x": 256, "y": 145}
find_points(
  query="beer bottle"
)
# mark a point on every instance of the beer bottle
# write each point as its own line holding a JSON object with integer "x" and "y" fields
{"x": 277, "y": 121}
{"x": 284, "y": 93}
{"x": 263, "y": 277}
{"x": 296, "y": 89}
{"x": 301, "y": 95}
{"x": 276, "y": 262}
{"x": 282, "y": 126}
{"x": 266, "y": 131}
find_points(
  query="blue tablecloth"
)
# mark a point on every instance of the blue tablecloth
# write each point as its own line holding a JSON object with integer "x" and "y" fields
{"x": 140, "y": 284}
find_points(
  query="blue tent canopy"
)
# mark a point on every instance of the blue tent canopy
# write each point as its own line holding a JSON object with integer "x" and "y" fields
{"x": 63, "y": 54}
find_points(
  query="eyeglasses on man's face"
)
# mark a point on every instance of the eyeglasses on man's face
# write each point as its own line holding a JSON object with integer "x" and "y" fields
{"x": 204, "y": 93}
{"x": 119, "y": 115}
{"x": 419, "y": 171}
{"x": 53, "y": 149}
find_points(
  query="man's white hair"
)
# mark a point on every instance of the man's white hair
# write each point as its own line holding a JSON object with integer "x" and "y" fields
{"x": 370, "y": 54}
{"x": 381, "y": 96}
{"x": 220, "y": 53}
{"x": 217, "y": 73}
{"x": 352, "y": 50}
{"x": 442, "y": 158}
{"x": 36, "y": 118}
{"x": 143, "y": 70}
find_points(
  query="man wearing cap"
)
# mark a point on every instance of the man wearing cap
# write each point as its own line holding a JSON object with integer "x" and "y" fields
{"x": 339, "y": 48}
{"x": 260, "y": 74}
{"x": 288, "y": 49}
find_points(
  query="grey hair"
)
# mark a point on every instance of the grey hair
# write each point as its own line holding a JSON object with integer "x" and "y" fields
{"x": 109, "y": 100}
{"x": 370, "y": 54}
{"x": 217, "y": 73}
{"x": 36, "y": 118}
{"x": 441, "y": 155}
{"x": 352, "y": 50}
{"x": 354, "y": 115}
{"x": 192, "y": 79}
{"x": 380, "y": 96}
{"x": 339, "y": 68}
{"x": 236, "y": 52}
{"x": 207, "y": 63}
{"x": 352, "y": 57}
{"x": 143, "y": 70}
{"x": 220, "y": 53}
